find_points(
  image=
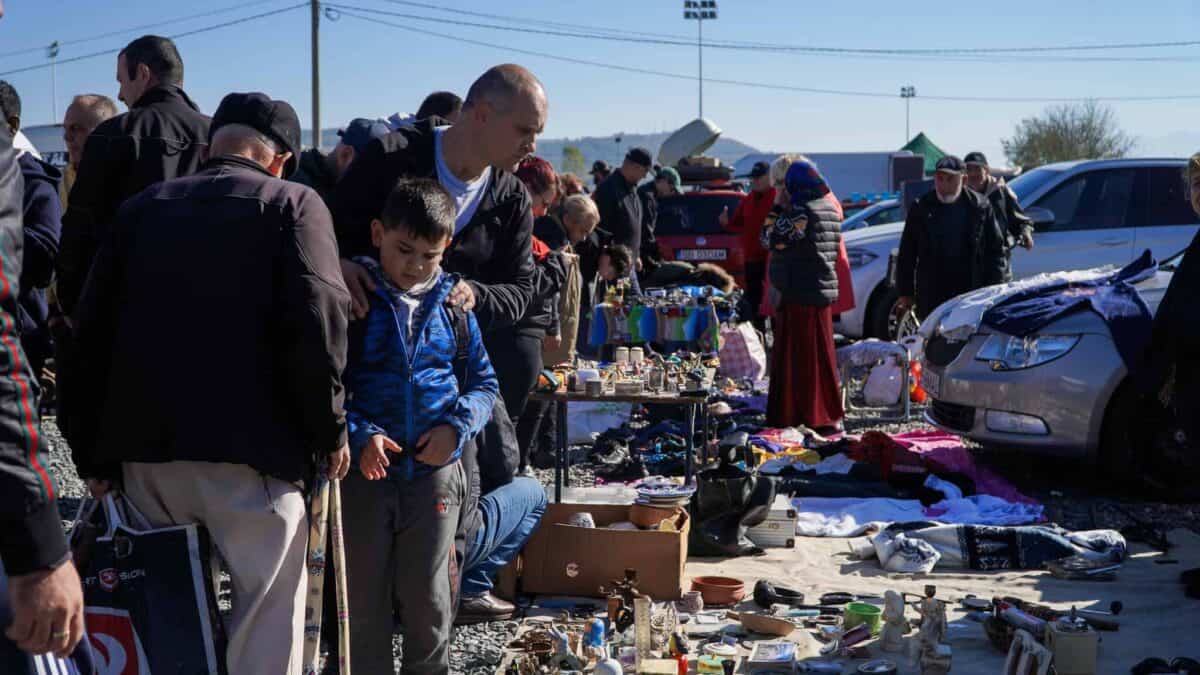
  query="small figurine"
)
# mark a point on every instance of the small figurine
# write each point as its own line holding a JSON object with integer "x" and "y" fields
{"x": 621, "y": 595}
{"x": 563, "y": 657}
{"x": 932, "y": 622}
{"x": 891, "y": 638}
{"x": 935, "y": 659}
{"x": 593, "y": 640}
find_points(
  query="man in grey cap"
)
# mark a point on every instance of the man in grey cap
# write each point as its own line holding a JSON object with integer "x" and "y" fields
{"x": 216, "y": 312}
{"x": 321, "y": 171}
{"x": 951, "y": 243}
{"x": 1017, "y": 227}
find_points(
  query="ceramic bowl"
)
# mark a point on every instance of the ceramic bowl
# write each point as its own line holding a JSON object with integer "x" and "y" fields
{"x": 719, "y": 590}
{"x": 649, "y": 516}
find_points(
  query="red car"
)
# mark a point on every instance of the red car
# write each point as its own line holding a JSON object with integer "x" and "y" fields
{"x": 688, "y": 229}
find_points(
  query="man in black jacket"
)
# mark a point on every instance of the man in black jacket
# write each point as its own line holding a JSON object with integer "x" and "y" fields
{"x": 215, "y": 310}
{"x": 321, "y": 171}
{"x": 503, "y": 114}
{"x": 163, "y": 135}
{"x": 952, "y": 244}
{"x": 1016, "y": 226}
{"x": 42, "y": 226}
{"x": 621, "y": 210}
{"x": 43, "y": 591}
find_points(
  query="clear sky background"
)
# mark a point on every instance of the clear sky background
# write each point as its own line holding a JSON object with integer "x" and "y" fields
{"x": 371, "y": 70}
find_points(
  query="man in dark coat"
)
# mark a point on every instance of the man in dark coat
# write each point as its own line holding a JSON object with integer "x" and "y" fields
{"x": 39, "y": 587}
{"x": 163, "y": 135}
{"x": 620, "y": 207}
{"x": 215, "y": 310}
{"x": 952, "y": 244}
{"x": 42, "y": 227}
{"x": 1016, "y": 226}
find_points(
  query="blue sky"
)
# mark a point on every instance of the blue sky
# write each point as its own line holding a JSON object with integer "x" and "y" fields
{"x": 374, "y": 70}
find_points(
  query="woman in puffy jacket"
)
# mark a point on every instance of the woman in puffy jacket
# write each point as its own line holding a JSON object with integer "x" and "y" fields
{"x": 803, "y": 234}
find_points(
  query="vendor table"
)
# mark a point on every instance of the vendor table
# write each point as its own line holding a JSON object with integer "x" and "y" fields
{"x": 693, "y": 405}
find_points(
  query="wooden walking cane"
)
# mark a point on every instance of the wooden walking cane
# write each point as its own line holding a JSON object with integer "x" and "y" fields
{"x": 325, "y": 520}
{"x": 339, "y": 571}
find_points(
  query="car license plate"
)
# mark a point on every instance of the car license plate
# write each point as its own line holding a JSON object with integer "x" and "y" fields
{"x": 701, "y": 254}
{"x": 931, "y": 382}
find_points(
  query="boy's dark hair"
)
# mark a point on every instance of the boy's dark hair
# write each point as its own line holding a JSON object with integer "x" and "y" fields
{"x": 10, "y": 102}
{"x": 620, "y": 257}
{"x": 421, "y": 206}
{"x": 440, "y": 103}
{"x": 159, "y": 55}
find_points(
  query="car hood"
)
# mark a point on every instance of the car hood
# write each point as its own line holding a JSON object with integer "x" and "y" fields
{"x": 887, "y": 234}
{"x": 960, "y": 318}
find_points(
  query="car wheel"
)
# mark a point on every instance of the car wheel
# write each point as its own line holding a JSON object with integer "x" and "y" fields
{"x": 1117, "y": 454}
{"x": 880, "y": 313}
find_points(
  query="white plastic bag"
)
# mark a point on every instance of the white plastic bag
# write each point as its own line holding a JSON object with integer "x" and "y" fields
{"x": 883, "y": 384}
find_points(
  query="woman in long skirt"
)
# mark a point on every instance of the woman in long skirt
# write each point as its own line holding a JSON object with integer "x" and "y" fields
{"x": 803, "y": 234}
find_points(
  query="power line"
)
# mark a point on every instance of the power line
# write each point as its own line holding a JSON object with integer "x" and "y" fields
{"x": 342, "y": 9}
{"x": 601, "y": 33}
{"x": 145, "y": 26}
{"x": 176, "y": 36}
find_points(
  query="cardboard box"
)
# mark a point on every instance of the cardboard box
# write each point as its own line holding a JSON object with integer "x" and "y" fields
{"x": 562, "y": 559}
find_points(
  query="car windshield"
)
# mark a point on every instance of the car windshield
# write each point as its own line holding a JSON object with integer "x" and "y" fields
{"x": 1029, "y": 182}
{"x": 693, "y": 214}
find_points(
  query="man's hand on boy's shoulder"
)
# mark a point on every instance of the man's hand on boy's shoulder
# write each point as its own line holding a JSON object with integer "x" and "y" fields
{"x": 436, "y": 446}
{"x": 374, "y": 461}
{"x": 462, "y": 295}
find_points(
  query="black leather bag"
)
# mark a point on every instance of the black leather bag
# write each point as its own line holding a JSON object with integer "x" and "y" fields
{"x": 729, "y": 500}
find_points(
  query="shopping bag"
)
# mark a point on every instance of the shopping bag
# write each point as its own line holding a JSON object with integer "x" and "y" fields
{"x": 742, "y": 353}
{"x": 149, "y": 601}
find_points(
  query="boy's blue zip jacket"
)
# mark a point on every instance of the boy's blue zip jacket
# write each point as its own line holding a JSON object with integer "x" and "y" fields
{"x": 403, "y": 395}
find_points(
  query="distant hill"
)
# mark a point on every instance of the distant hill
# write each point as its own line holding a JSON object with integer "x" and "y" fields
{"x": 728, "y": 150}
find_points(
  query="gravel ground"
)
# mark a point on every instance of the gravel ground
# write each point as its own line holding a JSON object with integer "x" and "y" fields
{"x": 1063, "y": 486}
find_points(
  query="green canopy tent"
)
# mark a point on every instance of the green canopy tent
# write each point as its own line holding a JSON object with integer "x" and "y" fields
{"x": 921, "y": 145}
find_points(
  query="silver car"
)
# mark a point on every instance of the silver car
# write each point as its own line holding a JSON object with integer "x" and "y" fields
{"x": 1062, "y": 391}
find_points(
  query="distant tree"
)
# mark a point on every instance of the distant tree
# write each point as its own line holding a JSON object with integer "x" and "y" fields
{"x": 1086, "y": 130}
{"x": 573, "y": 161}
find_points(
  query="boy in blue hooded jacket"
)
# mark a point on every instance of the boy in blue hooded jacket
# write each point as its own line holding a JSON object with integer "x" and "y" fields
{"x": 409, "y": 417}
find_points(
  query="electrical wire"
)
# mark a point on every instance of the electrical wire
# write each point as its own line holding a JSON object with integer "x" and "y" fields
{"x": 146, "y": 26}
{"x": 345, "y": 10}
{"x": 557, "y": 29}
{"x": 176, "y": 36}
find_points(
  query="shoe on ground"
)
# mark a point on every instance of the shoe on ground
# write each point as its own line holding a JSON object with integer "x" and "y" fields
{"x": 482, "y": 608}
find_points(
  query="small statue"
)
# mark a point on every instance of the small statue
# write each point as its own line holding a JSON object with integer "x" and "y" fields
{"x": 933, "y": 619}
{"x": 564, "y": 657}
{"x": 593, "y": 641}
{"x": 891, "y": 638}
{"x": 621, "y": 595}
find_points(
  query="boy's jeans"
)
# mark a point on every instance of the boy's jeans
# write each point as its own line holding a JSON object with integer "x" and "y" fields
{"x": 400, "y": 557}
{"x": 509, "y": 515}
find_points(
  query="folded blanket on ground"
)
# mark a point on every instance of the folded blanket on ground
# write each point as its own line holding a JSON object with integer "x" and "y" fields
{"x": 849, "y": 517}
{"x": 920, "y": 547}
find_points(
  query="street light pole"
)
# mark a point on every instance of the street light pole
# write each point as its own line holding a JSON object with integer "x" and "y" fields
{"x": 52, "y": 52}
{"x": 907, "y": 93}
{"x": 700, "y": 10}
{"x": 316, "y": 73}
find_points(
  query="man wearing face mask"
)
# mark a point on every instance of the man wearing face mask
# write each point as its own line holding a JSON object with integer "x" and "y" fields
{"x": 951, "y": 244}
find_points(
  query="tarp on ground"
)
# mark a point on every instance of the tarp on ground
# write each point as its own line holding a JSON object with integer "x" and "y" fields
{"x": 921, "y": 145}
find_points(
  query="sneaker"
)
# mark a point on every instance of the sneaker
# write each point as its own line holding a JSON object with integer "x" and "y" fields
{"x": 631, "y": 469}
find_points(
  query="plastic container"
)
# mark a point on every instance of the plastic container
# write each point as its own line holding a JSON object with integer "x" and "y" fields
{"x": 857, "y": 613}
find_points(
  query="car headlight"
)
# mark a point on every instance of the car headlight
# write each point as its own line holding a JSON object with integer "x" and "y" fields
{"x": 1013, "y": 353}
{"x": 859, "y": 257}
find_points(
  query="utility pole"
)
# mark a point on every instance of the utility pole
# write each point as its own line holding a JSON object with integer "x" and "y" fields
{"x": 316, "y": 73}
{"x": 908, "y": 94}
{"x": 52, "y": 52}
{"x": 700, "y": 10}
